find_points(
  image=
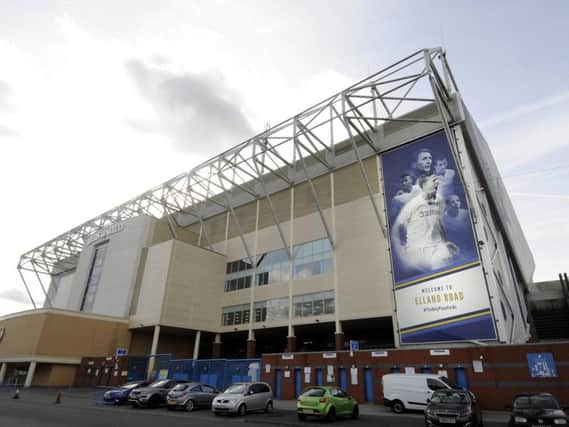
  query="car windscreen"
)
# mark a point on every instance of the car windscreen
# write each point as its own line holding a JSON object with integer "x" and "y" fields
{"x": 446, "y": 381}
{"x": 236, "y": 389}
{"x": 450, "y": 397}
{"x": 180, "y": 387}
{"x": 314, "y": 392}
{"x": 159, "y": 384}
{"x": 130, "y": 386}
{"x": 536, "y": 402}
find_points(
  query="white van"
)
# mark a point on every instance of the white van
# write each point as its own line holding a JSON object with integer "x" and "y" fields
{"x": 411, "y": 391}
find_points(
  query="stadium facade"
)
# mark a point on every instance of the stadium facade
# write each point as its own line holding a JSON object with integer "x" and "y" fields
{"x": 376, "y": 216}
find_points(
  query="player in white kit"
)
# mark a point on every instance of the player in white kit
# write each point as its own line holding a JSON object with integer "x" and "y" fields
{"x": 418, "y": 236}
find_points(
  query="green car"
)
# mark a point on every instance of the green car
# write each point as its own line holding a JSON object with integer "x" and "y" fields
{"x": 326, "y": 401}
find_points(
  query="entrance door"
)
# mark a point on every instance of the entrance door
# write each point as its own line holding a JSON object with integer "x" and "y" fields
{"x": 461, "y": 378}
{"x": 278, "y": 383}
{"x": 368, "y": 381}
{"x": 319, "y": 378}
{"x": 298, "y": 381}
{"x": 343, "y": 379}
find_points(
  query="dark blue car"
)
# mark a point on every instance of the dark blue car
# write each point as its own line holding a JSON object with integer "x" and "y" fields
{"x": 119, "y": 396}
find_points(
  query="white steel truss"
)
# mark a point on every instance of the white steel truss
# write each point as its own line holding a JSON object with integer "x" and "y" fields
{"x": 298, "y": 149}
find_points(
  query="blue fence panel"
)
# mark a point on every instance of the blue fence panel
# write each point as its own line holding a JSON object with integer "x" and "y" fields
{"x": 137, "y": 367}
{"x": 180, "y": 369}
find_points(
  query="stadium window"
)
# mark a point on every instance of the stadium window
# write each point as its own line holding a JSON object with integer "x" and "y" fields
{"x": 235, "y": 315}
{"x": 312, "y": 258}
{"x": 314, "y": 304}
{"x": 94, "y": 277}
{"x": 238, "y": 275}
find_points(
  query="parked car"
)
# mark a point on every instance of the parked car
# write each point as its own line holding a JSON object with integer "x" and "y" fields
{"x": 412, "y": 391}
{"x": 536, "y": 409}
{"x": 456, "y": 407}
{"x": 118, "y": 396}
{"x": 241, "y": 398}
{"x": 328, "y": 402}
{"x": 154, "y": 395}
{"x": 189, "y": 396}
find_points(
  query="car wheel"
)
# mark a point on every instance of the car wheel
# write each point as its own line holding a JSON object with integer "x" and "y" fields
{"x": 331, "y": 414}
{"x": 398, "y": 407}
{"x": 356, "y": 412}
{"x": 269, "y": 407}
{"x": 216, "y": 414}
{"x": 242, "y": 410}
{"x": 170, "y": 408}
{"x": 189, "y": 405}
{"x": 302, "y": 417}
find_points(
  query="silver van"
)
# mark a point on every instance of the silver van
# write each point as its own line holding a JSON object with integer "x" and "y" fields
{"x": 241, "y": 398}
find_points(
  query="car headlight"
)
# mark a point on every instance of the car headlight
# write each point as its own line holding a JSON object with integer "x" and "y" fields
{"x": 107, "y": 394}
{"x": 520, "y": 420}
{"x": 560, "y": 421}
{"x": 466, "y": 413}
{"x": 429, "y": 412}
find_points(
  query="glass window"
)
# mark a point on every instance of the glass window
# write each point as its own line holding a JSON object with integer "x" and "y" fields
{"x": 312, "y": 258}
{"x": 94, "y": 277}
{"x": 313, "y": 304}
{"x": 235, "y": 315}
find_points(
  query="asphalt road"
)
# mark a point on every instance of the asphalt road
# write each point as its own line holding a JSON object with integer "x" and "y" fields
{"x": 80, "y": 408}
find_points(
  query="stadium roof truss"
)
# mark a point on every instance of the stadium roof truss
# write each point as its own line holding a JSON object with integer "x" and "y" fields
{"x": 296, "y": 150}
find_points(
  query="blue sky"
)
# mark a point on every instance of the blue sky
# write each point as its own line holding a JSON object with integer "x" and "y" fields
{"x": 83, "y": 129}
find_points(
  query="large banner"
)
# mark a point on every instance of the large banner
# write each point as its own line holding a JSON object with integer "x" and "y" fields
{"x": 440, "y": 290}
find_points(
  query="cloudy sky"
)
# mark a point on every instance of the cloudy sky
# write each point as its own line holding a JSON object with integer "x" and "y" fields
{"x": 101, "y": 100}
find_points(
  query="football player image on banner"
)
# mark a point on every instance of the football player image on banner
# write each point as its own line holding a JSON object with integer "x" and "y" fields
{"x": 440, "y": 290}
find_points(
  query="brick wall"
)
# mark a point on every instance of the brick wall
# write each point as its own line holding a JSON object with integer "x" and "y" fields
{"x": 505, "y": 370}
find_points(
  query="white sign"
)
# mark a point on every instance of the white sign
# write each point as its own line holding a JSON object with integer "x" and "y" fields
{"x": 381, "y": 353}
{"x": 410, "y": 370}
{"x": 307, "y": 377}
{"x": 307, "y": 369}
{"x": 121, "y": 352}
{"x": 354, "y": 375}
{"x": 439, "y": 352}
{"x": 124, "y": 373}
{"x": 477, "y": 366}
{"x": 329, "y": 355}
{"x": 443, "y": 373}
{"x": 330, "y": 369}
{"x": 102, "y": 234}
{"x": 163, "y": 374}
{"x": 268, "y": 368}
{"x": 287, "y": 356}
{"x": 330, "y": 378}
{"x": 287, "y": 374}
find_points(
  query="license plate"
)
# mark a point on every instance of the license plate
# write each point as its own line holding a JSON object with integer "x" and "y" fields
{"x": 171, "y": 402}
{"x": 448, "y": 420}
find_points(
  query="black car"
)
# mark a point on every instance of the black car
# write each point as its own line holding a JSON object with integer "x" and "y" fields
{"x": 453, "y": 407}
{"x": 536, "y": 410}
{"x": 119, "y": 395}
{"x": 154, "y": 395}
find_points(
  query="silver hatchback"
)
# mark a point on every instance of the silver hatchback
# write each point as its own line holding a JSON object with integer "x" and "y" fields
{"x": 190, "y": 396}
{"x": 241, "y": 398}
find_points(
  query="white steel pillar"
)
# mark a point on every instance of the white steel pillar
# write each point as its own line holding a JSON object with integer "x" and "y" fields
{"x": 153, "y": 350}
{"x": 30, "y": 375}
{"x": 197, "y": 344}
{"x": 3, "y": 369}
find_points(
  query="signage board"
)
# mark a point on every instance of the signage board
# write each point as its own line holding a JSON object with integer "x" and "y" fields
{"x": 440, "y": 289}
{"x": 541, "y": 365}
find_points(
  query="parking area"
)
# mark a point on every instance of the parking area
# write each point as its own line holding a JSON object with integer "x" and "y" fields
{"x": 83, "y": 407}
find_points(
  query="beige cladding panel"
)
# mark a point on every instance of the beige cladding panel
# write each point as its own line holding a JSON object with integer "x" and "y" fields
{"x": 268, "y": 238}
{"x": 21, "y": 334}
{"x": 161, "y": 233}
{"x": 246, "y": 216}
{"x": 236, "y": 249}
{"x": 215, "y": 227}
{"x": 304, "y": 203}
{"x": 364, "y": 280}
{"x": 349, "y": 183}
{"x": 73, "y": 336}
{"x": 281, "y": 205}
{"x": 152, "y": 285}
{"x": 310, "y": 227}
{"x": 194, "y": 288}
{"x": 312, "y": 284}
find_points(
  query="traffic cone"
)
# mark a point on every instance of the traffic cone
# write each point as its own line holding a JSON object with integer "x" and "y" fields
{"x": 58, "y": 398}
{"x": 16, "y": 394}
